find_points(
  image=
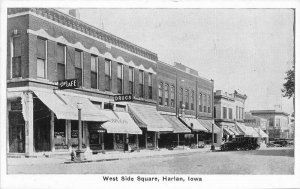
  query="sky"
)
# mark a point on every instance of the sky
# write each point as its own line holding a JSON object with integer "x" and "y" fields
{"x": 248, "y": 50}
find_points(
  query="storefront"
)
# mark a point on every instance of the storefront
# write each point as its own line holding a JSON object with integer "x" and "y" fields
{"x": 170, "y": 140}
{"x": 151, "y": 122}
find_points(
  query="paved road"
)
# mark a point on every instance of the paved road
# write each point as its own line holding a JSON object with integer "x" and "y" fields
{"x": 269, "y": 161}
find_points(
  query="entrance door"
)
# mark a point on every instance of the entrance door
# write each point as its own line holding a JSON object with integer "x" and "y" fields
{"x": 16, "y": 132}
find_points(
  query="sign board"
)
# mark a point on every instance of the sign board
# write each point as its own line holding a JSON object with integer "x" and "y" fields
{"x": 125, "y": 97}
{"x": 68, "y": 84}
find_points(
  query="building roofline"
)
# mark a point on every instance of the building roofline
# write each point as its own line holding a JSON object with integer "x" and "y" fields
{"x": 269, "y": 111}
{"x": 108, "y": 37}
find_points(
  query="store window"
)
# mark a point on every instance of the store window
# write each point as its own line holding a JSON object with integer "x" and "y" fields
{"x": 107, "y": 68}
{"x": 131, "y": 79}
{"x": 141, "y": 84}
{"x": 150, "y": 83}
{"x": 74, "y": 129}
{"x": 78, "y": 66}
{"x": 41, "y": 58}
{"x": 61, "y": 62}
{"x": 120, "y": 78}
{"x": 60, "y": 133}
{"x": 94, "y": 72}
{"x": 16, "y": 57}
{"x": 172, "y": 96}
{"x": 192, "y": 100}
{"x": 166, "y": 94}
{"x": 160, "y": 94}
{"x": 186, "y": 99}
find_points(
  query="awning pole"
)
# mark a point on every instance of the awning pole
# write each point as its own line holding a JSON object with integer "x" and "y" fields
{"x": 197, "y": 140}
{"x": 137, "y": 141}
{"x": 102, "y": 142}
{"x": 114, "y": 141}
{"x": 52, "y": 132}
{"x": 146, "y": 145}
{"x": 178, "y": 139}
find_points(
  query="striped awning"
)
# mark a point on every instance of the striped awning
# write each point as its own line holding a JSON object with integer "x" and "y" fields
{"x": 208, "y": 125}
{"x": 120, "y": 122}
{"x": 246, "y": 130}
{"x": 64, "y": 106}
{"x": 193, "y": 124}
{"x": 227, "y": 131}
{"x": 148, "y": 117}
{"x": 177, "y": 125}
{"x": 261, "y": 133}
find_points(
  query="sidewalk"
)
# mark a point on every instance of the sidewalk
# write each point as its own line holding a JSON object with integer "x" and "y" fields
{"x": 108, "y": 156}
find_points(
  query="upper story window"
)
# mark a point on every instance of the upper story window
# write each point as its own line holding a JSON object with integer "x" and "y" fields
{"x": 61, "y": 62}
{"x": 78, "y": 66}
{"x": 160, "y": 94}
{"x": 204, "y": 103}
{"x": 208, "y": 104}
{"x": 277, "y": 122}
{"x": 186, "y": 99}
{"x": 41, "y": 58}
{"x": 271, "y": 122}
{"x": 107, "y": 68}
{"x": 16, "y": 68}
{"x": 224, "y": 113}
{"x": 131, "y": 79}
{"x": 166, "y": 95}
{"x": 237, "y": 113}
{"x": 192, "y": 100}
{"x": 200, "y": 102}
{"x": 180, "y": 97}
{"x": 230, "y": 113}
{"x": 94, "y": 72}
{"x": 120, "y": 78}
{"x": 215, "y": 112}
{"x": 141, "y": 84}
{"x": 150, "y": 83}
{"x": 172, "y": 96}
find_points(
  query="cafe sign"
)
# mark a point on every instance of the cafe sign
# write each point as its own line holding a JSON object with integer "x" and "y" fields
{"x": 126, "y": 97}
{"x": 68, "y": 84}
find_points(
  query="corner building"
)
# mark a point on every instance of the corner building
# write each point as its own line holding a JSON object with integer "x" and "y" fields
{"x": 45, "y": 46}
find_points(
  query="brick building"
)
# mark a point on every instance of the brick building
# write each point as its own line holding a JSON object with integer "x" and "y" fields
{"x": 45, "y": 46}
{"x": 185, "y": 99}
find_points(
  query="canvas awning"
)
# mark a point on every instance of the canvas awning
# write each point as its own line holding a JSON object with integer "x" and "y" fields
{"x": 193, "y": 124}
{"x": 235, "y": 131}
{"x": 120, "y": 122}
{"x": 227, "y": 131}
{"x": 64, "y": 106}
{"x": 147, "y": 116}
{"x": 178, "y": 126}
{"x": 261, "y": 133}
{"x": 208, "y": 125}
{"x": 247, "y": 131}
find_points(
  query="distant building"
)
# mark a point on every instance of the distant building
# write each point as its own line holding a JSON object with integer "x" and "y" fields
{"x": 255, "y": 121}
{"x": 278, "y": 122}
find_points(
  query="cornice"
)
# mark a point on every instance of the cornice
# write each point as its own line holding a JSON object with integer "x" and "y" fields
{"x": 81, "y": 26}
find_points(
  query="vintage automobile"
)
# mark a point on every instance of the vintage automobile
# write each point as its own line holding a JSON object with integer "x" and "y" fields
{"x": 239, "y": 145}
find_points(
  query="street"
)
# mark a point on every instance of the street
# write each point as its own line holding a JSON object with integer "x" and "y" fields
{"x": 265, "y": 161}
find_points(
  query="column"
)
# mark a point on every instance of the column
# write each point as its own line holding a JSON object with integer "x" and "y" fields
{"x": 177, "y": 139}
{"x": 29, "y": 125}
{"x": 102, "y": 141}
{"x": 69, "y": 139}
{"x": 7, "y": 126}
{"x": 114, "y": 141}
{"x": 197, "y": 140}
{"x": 146, "y": 142}
{"x": 137, "y": 142}
{"x": 52, "y": 145}
{"x": 155, "y": 139}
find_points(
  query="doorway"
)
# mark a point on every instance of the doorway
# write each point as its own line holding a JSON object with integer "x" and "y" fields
{"x": 16, "y": 132}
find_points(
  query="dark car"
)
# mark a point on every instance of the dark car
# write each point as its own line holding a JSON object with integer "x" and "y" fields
{"x": 239, "y": 145}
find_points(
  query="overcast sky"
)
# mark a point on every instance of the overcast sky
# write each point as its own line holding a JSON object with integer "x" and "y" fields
{"x": 248, "y": 50}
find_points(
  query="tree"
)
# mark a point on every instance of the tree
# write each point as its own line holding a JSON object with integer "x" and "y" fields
{"x": 289, "y": 85}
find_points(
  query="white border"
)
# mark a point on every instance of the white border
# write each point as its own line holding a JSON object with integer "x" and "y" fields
{"x": 94, "y": 181}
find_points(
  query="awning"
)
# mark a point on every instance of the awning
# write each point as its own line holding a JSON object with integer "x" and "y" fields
{"x": 178, "y": 126}
{"x": 193, "y": 124}
{"x": 227, "y": 131}
{"x": 235, "y": 131}
{"x": 120, "y": 122}
{"x": 261, "y": 133}
{"x": 247, "y": 131}
{"x": 147, "y": 116}
{"x": 208, "y": 125}
{"x": 64, "y": 106}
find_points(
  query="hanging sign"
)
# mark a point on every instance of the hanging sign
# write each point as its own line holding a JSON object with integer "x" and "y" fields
{"x": 68, "y": 84}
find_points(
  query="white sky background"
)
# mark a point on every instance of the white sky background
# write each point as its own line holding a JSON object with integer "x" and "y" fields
{"x": 248, "y": 50}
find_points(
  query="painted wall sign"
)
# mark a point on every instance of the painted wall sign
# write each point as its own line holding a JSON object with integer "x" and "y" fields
{"x": 125, "y": 97}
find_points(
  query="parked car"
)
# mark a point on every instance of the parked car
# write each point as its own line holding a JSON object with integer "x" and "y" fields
{"x": 239, "y": 145}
